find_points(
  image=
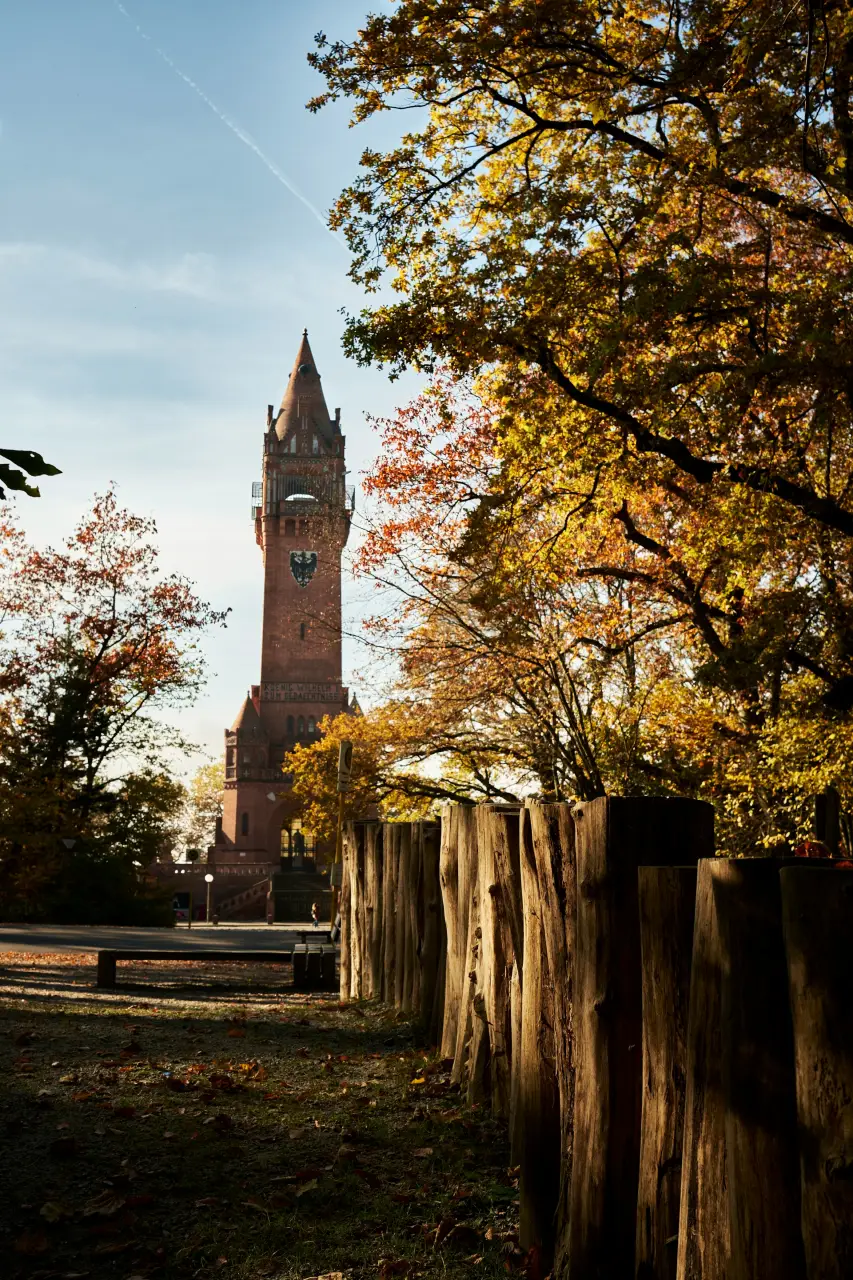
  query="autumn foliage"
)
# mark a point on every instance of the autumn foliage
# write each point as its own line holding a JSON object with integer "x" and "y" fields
{"x": 96, "y": 645}
{"x": 626, "y": 231}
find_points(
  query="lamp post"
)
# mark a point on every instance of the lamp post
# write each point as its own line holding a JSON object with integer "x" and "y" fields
{"x": 208, "y": 880}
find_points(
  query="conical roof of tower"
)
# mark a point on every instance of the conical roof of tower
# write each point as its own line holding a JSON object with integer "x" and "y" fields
{"x": 248, "y": 721}
{"x": 303, "y": 398}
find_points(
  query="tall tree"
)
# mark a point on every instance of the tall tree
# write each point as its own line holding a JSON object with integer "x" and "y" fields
{"x": 650, "y": 202}
{"x": 203, "y": 807}
{"x": 97, "y": 644}
{"x": 573, "y": 659}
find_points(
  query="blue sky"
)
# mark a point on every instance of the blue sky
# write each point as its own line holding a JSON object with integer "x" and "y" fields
{"x": 156, "y": 276}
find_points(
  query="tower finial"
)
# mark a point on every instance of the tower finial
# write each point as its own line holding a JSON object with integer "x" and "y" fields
{"x": 305, "y": 333}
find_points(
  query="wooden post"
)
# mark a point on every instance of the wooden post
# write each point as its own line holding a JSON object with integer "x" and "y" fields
{"x": 334, "y": 906}
{"x": 452, "y": 907}
{"x": 106, "y": 969}
{"x": 552, "y": 833}
{"x": 537, "y": 1128}
{"x": 433, "y": 933}
{"x": 740, "y": 1121}
{"x": 469, "y": 892}
{"x": 373, "y": 909}
{"x": 818, "y": 927}
{"x": 346, "y": 916}
{"x": 356, "y": 882}
{"x": 762, "y": 1169}
{"x": 401, "y": 919}
{"x": 615, "y": 837}
{"x": 667, "y": 900}
{"x": 704, "y": 1233}
{"x": 390, "y": 845}
{"x": 416, "y": 917}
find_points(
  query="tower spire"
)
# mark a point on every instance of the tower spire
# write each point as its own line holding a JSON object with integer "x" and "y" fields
{"x": 303, "y": 403}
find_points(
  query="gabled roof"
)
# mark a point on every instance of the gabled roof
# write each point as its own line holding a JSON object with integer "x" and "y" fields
{"x": 248, "y": 721}
{"x": 304, "y": 399}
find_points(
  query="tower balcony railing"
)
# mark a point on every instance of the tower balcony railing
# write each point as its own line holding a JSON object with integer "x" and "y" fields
{"x": 293, "y": 493}
{"x": 254, "y": 773}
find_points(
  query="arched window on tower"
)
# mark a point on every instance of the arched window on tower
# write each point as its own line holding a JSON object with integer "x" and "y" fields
{"x": 310, "y": 724}
{"x": 301, "y": 725}
{"x": 302, "y": 631}
{"x": 293, "y": 443}
{"x": 244, "y": 825}
{"x": 290, "y": 726}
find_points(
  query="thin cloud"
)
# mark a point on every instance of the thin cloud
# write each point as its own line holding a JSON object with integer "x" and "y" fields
{"x": 244, "y": 137}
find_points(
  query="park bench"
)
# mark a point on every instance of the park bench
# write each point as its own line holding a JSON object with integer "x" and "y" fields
{"x": 313, "y": 967}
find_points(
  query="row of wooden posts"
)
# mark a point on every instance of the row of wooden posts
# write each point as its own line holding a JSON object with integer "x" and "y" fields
{"x": 668, "y": 1035}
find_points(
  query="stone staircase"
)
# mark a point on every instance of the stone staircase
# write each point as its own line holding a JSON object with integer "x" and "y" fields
{"x": 249, "y": 904}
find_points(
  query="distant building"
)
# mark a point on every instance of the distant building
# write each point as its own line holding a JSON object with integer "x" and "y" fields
{"x": 302, "y": 510}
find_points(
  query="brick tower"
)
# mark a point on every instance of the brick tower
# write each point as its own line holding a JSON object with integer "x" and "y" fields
{"x": 302, "y": 510}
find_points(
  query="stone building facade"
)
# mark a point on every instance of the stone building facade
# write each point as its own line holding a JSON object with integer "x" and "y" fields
{"x": 302, "y": 510}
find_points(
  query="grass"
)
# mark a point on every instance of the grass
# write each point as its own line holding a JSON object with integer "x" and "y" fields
{"x": 206, "y": 1122}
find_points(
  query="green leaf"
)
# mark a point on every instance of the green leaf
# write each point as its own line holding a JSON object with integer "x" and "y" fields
{"x": 33, "y": 463}
{"x": 17, "y": 480}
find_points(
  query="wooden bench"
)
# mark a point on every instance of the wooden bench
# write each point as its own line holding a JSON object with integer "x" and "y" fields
{"x": 313, "y": 967}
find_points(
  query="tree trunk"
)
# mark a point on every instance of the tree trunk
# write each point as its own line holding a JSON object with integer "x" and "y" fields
{"x": 538, "y": 1102}
{"x": 818, "y": 924}
{"x": 667, "y": 899}
{"x": 553, "y": 836}
{"x": 614, "y": 838}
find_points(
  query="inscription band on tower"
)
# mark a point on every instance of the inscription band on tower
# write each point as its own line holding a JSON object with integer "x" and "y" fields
{"x": 300, "y": 691}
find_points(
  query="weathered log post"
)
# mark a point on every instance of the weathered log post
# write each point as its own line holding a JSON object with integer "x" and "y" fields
{"x": 390, "y": 860}
{"x": 615, "y": 836}
{"x": 401, "y": 922}
{"x": 704, "y": 1236}
{"x": 453, "y": 872}
{"x": 537, "y": 1128}
{"x": 490, "y": 1078}
{"x": 740, "y": 1116}
{"x": 372, "y": 909}
{"x": 667, "y": 901}
{"x": 469, "y": 893}
{"x": 434, "y": 934}
{"x": 479, "y": 1068}
{"x": 416, "y": 915}
{"x": 553, "y": 836}
{"x": 817, "y": 906}
{"x": 346, "y": 913}
{"x": 357, "y": 923}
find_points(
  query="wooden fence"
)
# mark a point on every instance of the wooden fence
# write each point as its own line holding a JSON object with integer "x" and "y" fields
{"x": 668, "y": 1036}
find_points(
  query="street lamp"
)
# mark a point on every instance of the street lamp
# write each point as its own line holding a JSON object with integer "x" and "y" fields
{"x": 208, "y": 880}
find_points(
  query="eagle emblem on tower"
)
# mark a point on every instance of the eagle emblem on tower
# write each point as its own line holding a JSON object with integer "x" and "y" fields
{"x": 302, "y": 566}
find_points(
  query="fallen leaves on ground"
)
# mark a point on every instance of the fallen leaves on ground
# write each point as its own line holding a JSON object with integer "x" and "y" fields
{"x": 325, "y": 1151}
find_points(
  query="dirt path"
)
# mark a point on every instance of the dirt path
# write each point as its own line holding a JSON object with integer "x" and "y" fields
{"x": 215, "y": 1125}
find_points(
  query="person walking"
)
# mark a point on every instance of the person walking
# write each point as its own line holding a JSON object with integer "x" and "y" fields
{"x": 315, "y": 914}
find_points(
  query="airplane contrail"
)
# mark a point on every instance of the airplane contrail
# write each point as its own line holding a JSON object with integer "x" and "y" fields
{"x": 235, "y": 128}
